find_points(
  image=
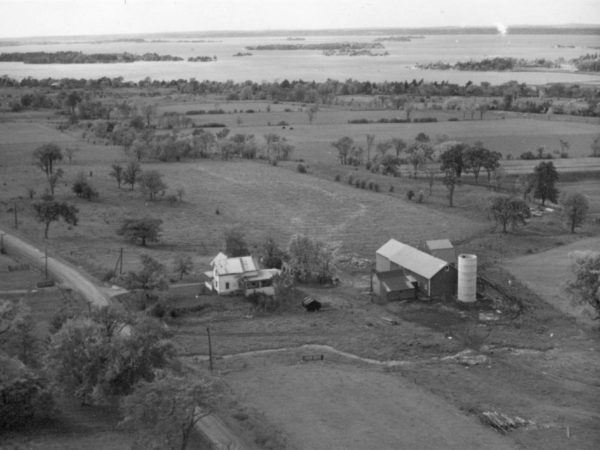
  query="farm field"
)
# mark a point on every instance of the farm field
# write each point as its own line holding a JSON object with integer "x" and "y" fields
{"x": 548, "y": 273}
{"x": 536, "y": 363}
{"x": 363, "y": 407}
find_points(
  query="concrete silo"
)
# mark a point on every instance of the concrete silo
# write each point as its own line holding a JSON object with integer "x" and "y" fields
{"x": 467, "y": 278}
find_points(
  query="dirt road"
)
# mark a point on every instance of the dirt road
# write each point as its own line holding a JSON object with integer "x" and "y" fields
{"x": 57, "y": 270}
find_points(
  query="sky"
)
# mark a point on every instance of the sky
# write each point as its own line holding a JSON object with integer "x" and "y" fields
{"x": 19, "y": 18}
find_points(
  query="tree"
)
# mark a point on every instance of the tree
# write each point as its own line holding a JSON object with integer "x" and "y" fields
{"x": 271, "y": 256}
{"x": 131, "y": 173}
{"x": 596, "y": 146}
{"x": 474, "y": 157}
{"x": 491, "y": 162}
{"x": 575, "y": 209}
{"x": 311, "y": 112}
{"x": 142, "y": 230}
{"x": 53, "y": 180}
{"x": 117, "y": 173}
{"x": 586, "y": 267}
{"x": 544, "y": 183}
{"x": 49, "y": 211}
{"x": 73, "y": 100}
{"x": 452, "y": 158}
{"x": 105, "y": 353}
{"x": 152, "y": 276}
{"x": 163, "y": 412}
{"x": 450, "y": 181}
{"x": 383, "y": 147}
{"x": 152, "y": 184}
{"x": 45, "y": 157}
{"x": 524, "y": 185}
{"x": 509, "y": 211}
{"x": 70, "y": 151}
{"x": 399, "y": 146}
{"x": 82, "y": 188}
{"x": 370, "y": 142}
{"x": 344, "y": 147}
{"x": 149, "y": 111}
{"x": 183, "y": 265}
{"x": 18, "y": 337}
{"x": 235, "y": 243}
{"x": 389, "y": 165}
{"x": 418, "y": 155}
{"x": 310, "y": 260}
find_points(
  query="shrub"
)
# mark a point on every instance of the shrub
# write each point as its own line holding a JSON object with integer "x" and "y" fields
{"x": 425, "y": 119}
{"x": 363, "y": 184}
{"x": 338, "y": 177}
{"x": 357, "y": 183}
{"x": 368, "y": 165}
{"x": 171, "y": 199}
{"x": 350, "y": 179}
{"x": 370, "y": 185}
{"x": 420, "y": 197}
{"x": 391, "y": 188}
{"x": 453, "y": 119}
{"x": 376, "y": 187}
{"x": 410, "y": 194}
{"x": 301, "y": 168}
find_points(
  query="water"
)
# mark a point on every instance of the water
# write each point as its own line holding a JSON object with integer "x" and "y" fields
{"x": 312, "y": 65}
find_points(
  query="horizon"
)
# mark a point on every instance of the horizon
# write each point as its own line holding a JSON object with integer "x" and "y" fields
{"x": 71, "y": 18}
{"x": 501, "y": 28}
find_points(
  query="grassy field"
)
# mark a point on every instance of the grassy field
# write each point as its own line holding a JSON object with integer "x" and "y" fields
{"x": 549, "y": 272}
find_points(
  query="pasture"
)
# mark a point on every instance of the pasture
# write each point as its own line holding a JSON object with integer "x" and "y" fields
{"x": 549, "y": 272}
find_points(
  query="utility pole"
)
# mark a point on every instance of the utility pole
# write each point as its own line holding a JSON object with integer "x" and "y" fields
{"x": 2, "y": 251}
{"x": 16, "y": 221}
{"x": 121, "y": 262}
{"x": 210, "y": 358}
{"x": 46, "y": 261}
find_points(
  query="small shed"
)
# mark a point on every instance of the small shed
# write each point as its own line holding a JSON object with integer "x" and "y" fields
{"x": 394, "y": 285}
{"x": 442, "y": 249}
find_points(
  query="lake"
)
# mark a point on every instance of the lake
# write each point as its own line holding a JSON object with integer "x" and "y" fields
{"x": 399, "y": 65}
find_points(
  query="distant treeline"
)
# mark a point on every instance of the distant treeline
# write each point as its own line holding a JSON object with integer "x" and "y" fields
{"x": 338, "y": 46}
{"x": 589, "y": 63}
{"x": 312, "y": 91}
{"x": 82, "y": 58}
{"x": 202, "y": 58}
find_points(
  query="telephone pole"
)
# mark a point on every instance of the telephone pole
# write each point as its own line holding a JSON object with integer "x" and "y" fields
{"x": 210, "y": 358}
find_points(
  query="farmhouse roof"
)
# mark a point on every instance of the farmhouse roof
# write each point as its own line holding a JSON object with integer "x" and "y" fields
{"x": 439, "y": 244}
{"x": 395, "y": 280}
{"x": 412, "y": 259}
{"x": 230, "y": 266}
{"x": 263, "y": 274}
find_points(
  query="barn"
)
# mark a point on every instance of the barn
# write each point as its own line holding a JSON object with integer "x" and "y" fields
{"x": 432, "y": 276}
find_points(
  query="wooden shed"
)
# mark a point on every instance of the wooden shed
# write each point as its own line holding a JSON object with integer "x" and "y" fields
{"x": 394, "y": 285}
{"x": 442, "y": 249}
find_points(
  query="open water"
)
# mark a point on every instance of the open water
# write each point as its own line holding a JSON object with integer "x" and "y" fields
{"x": 399, "y": 65}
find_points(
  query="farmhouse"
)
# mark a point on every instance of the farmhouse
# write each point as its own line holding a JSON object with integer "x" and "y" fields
{"x": 240, "y": 274}
{"x": 402, "y": 271}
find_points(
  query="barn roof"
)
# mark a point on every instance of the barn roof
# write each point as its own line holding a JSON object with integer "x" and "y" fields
{"x": 439, "y": 244}
{"x": 412, "y": 259}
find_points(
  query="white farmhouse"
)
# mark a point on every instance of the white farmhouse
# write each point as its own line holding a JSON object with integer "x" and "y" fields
{"x": 240, "y": 274}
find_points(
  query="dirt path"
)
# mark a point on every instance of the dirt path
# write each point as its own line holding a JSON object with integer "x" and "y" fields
{"x": 328, "y": 406}
{"x": 57, "y": 270}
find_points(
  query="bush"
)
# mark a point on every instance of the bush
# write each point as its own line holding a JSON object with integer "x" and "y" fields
{"x": 391, "y": 188}
{"x": 376, "y": 187}
{"x": 410, "y": 194}
{"x": 453, "y": 119}
{"x": 350, "y": 180}
{"x": 337, "y": 177}
{"x": 171, "y": 199}
{"x": 363, "y": 184}
{"x": 420, "y": 197}
{"x": 425, "y": 119}
{"x": 368, "y": 165}
{"x": 370, "y": 185}
{"x": 357, "y": 183}
{"x": 301, "y": 168}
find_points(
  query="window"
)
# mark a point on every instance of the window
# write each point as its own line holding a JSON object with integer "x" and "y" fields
{"x": 226, "y": 285}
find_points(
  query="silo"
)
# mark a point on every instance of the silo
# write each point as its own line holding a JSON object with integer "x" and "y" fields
{"x": 467, "y": 278}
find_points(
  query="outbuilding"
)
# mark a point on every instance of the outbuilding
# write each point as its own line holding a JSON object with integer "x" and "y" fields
{"x": 433, "y": 276}
{"x": 442, "y": 249}
{"x": 394, "y": 285}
